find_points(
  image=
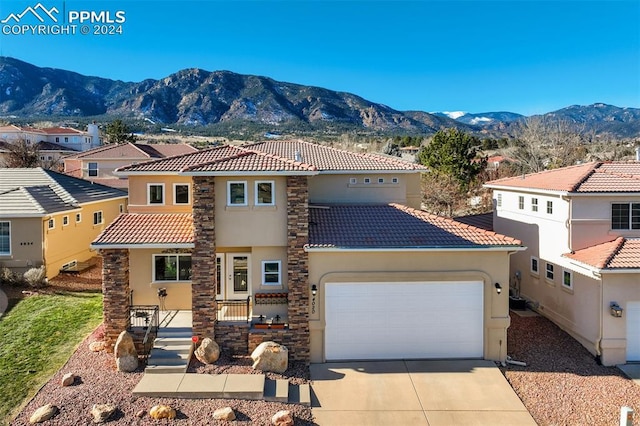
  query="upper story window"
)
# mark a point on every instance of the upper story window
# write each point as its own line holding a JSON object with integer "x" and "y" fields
{"x": 367, "y": 180}
{"x": 271, "y": 272}
{"x": 380, "y": 180}
{"x": 394, "y": 180}
{"x": 57, "y": 140}
{"x": 534, "y": 265}
{"x": 265, "y": 193}
{"x": 5, "y": 238}
{"x": 66, "y": 140}
{"x": 181, "y": 193}
{"x": 92, "y": 169}
{"x": 236, "y": 193}
{"x": 121, "y": 208}
{"x": 171, "y": 267}
{"x": 78, "y": 217}
{"x": 549, "y": 273}
{"x": 353, "y": 181}
{"x": 625, "y": 216}
{"x": 97, "y": 217}
{"x": 534, "y": 204}
{"x": 51, "y": 223}
{"x": 65, "y": 220}
{"x": 499, "y": 200}
{"x": 521, "y": 202}
{"x": 549, "y": 207}
{"x": 155, "y": 193}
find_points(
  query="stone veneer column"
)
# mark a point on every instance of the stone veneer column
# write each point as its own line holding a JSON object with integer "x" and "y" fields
{"x": 298, "y": 266}
{"x": 203, "y": 258}
{"x": 115, "y": 290}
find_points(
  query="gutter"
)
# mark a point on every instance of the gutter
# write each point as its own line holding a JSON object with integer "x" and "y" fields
{"x": 511, "y": 249}
{"x": 141, "y": 246}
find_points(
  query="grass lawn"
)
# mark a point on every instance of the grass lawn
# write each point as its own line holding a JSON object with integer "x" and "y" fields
{"x": 38, "y": 335}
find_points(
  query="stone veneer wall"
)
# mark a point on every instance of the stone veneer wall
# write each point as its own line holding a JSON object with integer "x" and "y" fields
{"x": 233, "y": 337}
{"x": 115, "y": 290}
{"x": 203, "y": 258}
{"x": 297, "y": 339}
{"x": 258, "y": 336}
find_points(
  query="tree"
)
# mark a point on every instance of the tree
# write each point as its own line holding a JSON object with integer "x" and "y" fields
{"x": 21, "y": 154}
{"x": 118, "y": 132}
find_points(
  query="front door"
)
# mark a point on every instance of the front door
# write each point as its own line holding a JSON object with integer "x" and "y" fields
{"x": 238, "y": 276}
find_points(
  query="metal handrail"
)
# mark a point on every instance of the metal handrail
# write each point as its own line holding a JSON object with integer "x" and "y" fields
{"x": 234, "y": 310}
{"x": 146, "y": 317}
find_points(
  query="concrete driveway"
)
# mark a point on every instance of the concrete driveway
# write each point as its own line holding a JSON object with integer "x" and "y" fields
{"x": 434, "y": 393}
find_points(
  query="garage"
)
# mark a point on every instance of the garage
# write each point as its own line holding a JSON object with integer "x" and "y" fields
{"x": 633, "y": 331}
{"x": 404, "y": 320}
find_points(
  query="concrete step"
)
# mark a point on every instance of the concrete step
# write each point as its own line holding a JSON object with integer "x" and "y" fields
{"x": 165, "y": 369}
{"x": 161, "y": 354}
{"x": 185, "y": 332}
{"x": 300, "y": 394}
{"x": 194, "y": 386}
{"x": 276, "y": 390}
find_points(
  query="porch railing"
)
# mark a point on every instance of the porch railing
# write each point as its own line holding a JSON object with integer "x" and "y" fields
{"x": 234, "y": 310}
{"x": 145, "y": 320}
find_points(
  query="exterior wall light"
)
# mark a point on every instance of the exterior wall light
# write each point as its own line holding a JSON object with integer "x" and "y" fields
{"x": 498, "y": 288}
{"x": 616, "y": 310}
{"x": 314, "y": 290}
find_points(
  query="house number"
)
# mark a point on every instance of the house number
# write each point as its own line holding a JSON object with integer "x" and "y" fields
{"x": 313, "y": 305}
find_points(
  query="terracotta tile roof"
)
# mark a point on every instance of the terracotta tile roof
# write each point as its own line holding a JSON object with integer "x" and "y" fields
{"x": 251, "y": 161}
{"x": 62, "y": 131}
{"x": 595, "y": 177}
{"x": 621, "y": 253}
{"x": 172, "y": 149}
{"x": 180, "y": 162}
{"x": 394, "y": 226}
{"x": 147, "y": 228}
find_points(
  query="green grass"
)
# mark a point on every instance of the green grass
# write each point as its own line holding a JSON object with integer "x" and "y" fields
{"x": 37, "y": 336}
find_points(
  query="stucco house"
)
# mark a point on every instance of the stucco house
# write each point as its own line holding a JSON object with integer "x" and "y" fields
{"x": 68, "y": 137}
{"x": 98, "y": 164}
{"x": 581, "y": 269}
{"x": 321, "y": 249}
{"x": 50, "y": 153}
{"x": 48, "y": 218}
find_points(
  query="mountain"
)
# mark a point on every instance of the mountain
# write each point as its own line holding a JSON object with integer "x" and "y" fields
{"x": 226, "y": 100}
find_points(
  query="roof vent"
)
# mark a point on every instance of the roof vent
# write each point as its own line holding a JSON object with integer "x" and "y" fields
{"x": 297, "y": 156}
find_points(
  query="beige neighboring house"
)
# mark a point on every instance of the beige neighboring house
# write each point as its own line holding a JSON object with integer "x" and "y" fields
{"x": 48, "y": 218}
{"x": 50, "y": 153}
{"x": 323, "y": 250}
{"x": 581, "y": 269}
{"x": 98, "y": 165}
{"x": 68, "y": 137}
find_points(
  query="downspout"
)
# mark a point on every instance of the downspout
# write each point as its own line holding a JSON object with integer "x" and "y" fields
{"x": 600, "y": 320}
{"x": 568, "y": 223}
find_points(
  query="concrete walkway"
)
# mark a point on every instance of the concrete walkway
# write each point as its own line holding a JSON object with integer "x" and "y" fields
{"x": 434, "y": 393}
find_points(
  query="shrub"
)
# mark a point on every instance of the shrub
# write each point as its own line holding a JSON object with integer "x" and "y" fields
{"x": 7, "y": 277}
{"x": 36, "y": 277}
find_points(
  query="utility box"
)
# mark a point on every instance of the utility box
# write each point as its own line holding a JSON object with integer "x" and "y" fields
{"x": 626, "y": 416}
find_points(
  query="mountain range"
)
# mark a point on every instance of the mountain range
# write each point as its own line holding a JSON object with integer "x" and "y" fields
{"x": 196, "y": 98}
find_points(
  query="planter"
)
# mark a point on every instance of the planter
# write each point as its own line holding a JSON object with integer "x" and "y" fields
{"x": 261, "y": 326}
{"x": 271, "y": 298}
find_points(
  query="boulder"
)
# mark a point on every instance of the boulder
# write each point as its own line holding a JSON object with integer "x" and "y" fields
{"x": 125, "y": 345}
{"x": 102, "y": 412}
{"x": 162, "y": 412}
{"x": 127, "y": 363}
{"x": 270, "y": 356}
{"x": 43, "y": 413}
{"x": 282, "y": 418}
{"x": 208, "y": 352}
{"x": 225, "y": 413}
{"x": 68, "y": 379}
{"x": 97, "y": 346}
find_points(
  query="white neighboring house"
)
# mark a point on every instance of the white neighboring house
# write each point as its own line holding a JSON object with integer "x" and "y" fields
{"x": 68, "y": 137}
{"x": 581, "y": 225}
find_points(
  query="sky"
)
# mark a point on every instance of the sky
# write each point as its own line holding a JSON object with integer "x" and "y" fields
{"x": 527, "y": 57}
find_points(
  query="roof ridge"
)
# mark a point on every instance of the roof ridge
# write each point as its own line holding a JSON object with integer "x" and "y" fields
{"x": 186, "y": 154}
{"x": 243, "y": 153}
{"x": 619, "y": 244}
{"x": 135, "y": 145}
{"x": 33, "y": 199}
{"x": 95, "y": 150}
{"x": 586, "y": 176}
{"x": 547, "y": 171}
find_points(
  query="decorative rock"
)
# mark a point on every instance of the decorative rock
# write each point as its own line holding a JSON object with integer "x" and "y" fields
{"x": 225, "y": 413}
{"x": 68, "y": 379}
{"x": 97, "y": 346}
{"x": 140, "y": 414}
{"x": 43, "y": 413}
{"x": 208, "y": 352}
{"x": 127, "y": 363}
{"x": 125, "y": 353}
{"x": 162, "y": 412}
{"x": 270, "y": 356}
{"x": 102, "y": 412}
{"x": 282, "y": 418}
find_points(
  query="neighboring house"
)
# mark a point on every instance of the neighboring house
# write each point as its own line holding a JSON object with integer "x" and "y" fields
{"x": 68, "y": 137}
{"x": 48, "y": 218}
{"x": 50, "y": 153}
{"x": 329, "y": 242}
{"x": 581, "y": 225}
{"x": 98, "y": 165}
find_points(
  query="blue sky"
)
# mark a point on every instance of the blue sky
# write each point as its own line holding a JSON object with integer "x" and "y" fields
{"x": 477, "y": 56}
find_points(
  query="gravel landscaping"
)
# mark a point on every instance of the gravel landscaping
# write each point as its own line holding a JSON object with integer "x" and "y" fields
{"x": 562, "y": 383}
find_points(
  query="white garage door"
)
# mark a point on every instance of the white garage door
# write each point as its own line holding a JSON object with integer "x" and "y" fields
{"x": 633, "y": 331}
{"x": 404, "y": 320}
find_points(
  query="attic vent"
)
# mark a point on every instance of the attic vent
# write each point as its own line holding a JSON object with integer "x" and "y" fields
{"x": 297, "y": 156}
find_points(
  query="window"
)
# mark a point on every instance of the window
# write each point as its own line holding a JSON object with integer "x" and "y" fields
{"x": 97, "y": 218}
{"x": 78, "y": 217}
{"x": 66, "y": 140}
{"x": 57, "y": 140}
{"x": 353, "y": 181}
{"x": 380, "y": 180}
{"x": 567, "y": 279}
{"x": 367, "y": 180}
{"x": 5, "y": 238}
{"x": 52, "y": 223}
{"x": 271, "y": 272}
{"x": 181, "y": 193}
{"x": 499, "y": 200}
{"x": 121, "y": 208}
{"x": 236, "y": 193}
{"x": 549, "y": 272}
{"x": 172, "y": 267}
{"x": 521, "y": 202}
{"x": 625, "y": 216}
{"x": 549, "y": 207}
{"x": 92, "y": 169}
{"x": 65, "y": 220}
{"x": 264, "y": 193}
{"x": 155, "y": 193}
{"x": 394, "y": 180}
{"x": 534, "y": 265}
{"x": 534, "y": 204}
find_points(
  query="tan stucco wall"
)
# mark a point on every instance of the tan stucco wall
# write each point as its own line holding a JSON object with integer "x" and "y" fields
{"x": 26, "y": 244}
{"x": 138, "y": 194}
{"x": 489, "y": 267}
{"x": 621, "y": 288}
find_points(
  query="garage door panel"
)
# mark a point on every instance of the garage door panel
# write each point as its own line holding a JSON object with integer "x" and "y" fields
{"x": 633, "y": 331}
{"x": 404, "y": 320}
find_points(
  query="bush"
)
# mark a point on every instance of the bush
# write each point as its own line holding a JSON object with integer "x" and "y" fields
{"x": 36, "y": 277}
{"x": 7, "y": 277}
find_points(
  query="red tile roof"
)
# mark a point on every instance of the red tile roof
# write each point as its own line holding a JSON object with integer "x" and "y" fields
{"x": 62, "y": 131}
{"x": 621, "y": 253}
{"x": 394, "y": 226}
{"x": 132, "y": 229}
{"x": 595, "y": 177}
